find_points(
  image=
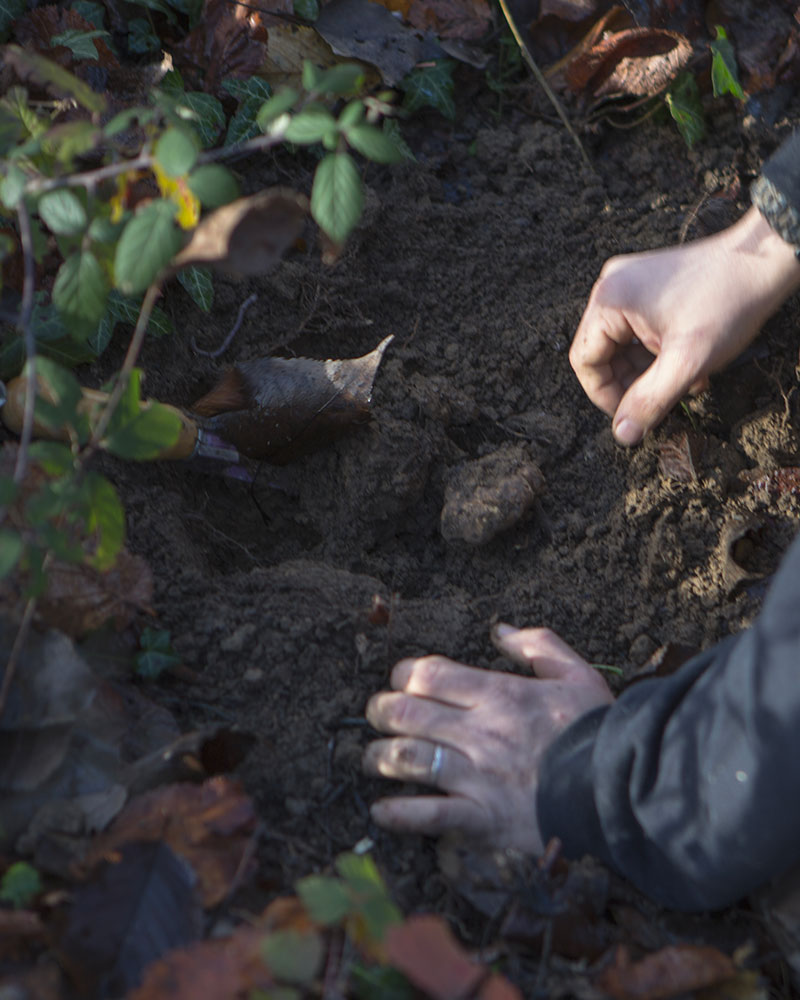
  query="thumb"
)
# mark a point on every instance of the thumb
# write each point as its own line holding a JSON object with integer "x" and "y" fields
{"x": 650, "y": 398}
{"x": 541, "y": 650}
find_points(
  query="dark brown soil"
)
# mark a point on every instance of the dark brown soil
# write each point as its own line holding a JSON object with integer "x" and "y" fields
{"x": 479, "y": 258}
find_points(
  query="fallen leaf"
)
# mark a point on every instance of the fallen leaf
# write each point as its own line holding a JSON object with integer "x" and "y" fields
{"x": 468, "y": 20}
{"x": 246, "y": 236}
{"x": 675, "y": 459}
{"x": 139, "y": 904}
{"x": 36, "y": 29}
{"x": 278, "y": 409}
{"x": 668, "y": 972}
{"x": 288, "y": 47}
{"x": 211, "y": 826}
{"x": 424, "y": 950}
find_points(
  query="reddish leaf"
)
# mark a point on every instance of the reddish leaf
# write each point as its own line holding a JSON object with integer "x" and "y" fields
{"x": 464, "y": 19}
{"x": 675, "y": 460}
{"x": 638, "y": 61}
{"x": 666, "y": 973}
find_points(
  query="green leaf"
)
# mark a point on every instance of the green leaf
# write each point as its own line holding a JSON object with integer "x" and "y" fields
{"x": 161, "y": 7}
{"x": 340, "y": 80}
{"x": 148, "y": 243}
{"x": 10, "y": 129}
{"x": 105, "y": 519}
{"x": 380, "y": 982}
{"x": 724, "y": 74}
{"x": 152, "y": 430}
{"x": 125, "y": 118}
{"x": 80, "y": 292}
{"x": 176, "y": 152}
{"x": 94, "y": 13}
{"x": 213, "y": 184}
{"x": 337, "y": 197}
{"x": 282, "y": 102}
{"x": 10, "y": 10}
{"x": 243, "y": 125}
{"x": 197, "y": 282}
{"x": 71, "y": 139}
{"x": 391, "y": 127}
{"x": 156, "y": 655}
{"x": 326, "y": 899}
{"x": 103, "y": 230}
{"x": 310, "y": 75}
{"x": 141, "y": 38}
{"x": 8, "y": 491}
{"x": 56, "y": 459}
{"x": 80, "y": 43}
{"x": 431, "y": 87}
{"x": 252, "y": 86}
{"x": 683, "y": 101}
{"x": 307, "y": 9}
{"x": 351, "y": 114}
{"x": 60, "y": 410}
{"x": 122, "y": 309}
{"x": 310, "y": 126}
{"x": 12, "y": 186}
{"x": 11, "y": 546}
{"x": 292, "y": 955}
{"x": 160, "y": 325}
{"x": 55, "y": 77}
{"x": 172, "y": 82}
{"x": 62, "y": 212}
{"x": 20, "y": 885}
{"x": 208, "y": 116}
{"x": 374, "y": 144}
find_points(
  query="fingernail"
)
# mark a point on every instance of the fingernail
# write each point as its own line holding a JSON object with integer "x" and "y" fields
{"x": 627, "y": 432}
{"x": 501, "y": 630}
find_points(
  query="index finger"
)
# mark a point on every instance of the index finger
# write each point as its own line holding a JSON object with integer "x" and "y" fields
{"x": 595, "y": 356}
{"x": 442, "y": 679}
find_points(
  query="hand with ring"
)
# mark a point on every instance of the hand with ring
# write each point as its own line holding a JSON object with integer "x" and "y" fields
{"x": 478, "y": 736}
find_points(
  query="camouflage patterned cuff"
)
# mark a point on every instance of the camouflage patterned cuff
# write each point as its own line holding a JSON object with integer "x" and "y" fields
{"x": 782, "y": 216}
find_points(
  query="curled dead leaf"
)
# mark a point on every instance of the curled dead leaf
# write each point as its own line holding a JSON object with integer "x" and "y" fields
{"x": 247, "y": 236}
{"x": 280, "y": 408}
{"x": 675, "y": 459}
{"x": 669, "y": 972}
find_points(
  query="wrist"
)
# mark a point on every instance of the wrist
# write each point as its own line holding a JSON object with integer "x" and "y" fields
{"x": 770, "y": 260}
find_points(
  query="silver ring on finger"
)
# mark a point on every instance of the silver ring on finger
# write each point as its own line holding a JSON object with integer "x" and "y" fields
{"x": 436, "y": 763}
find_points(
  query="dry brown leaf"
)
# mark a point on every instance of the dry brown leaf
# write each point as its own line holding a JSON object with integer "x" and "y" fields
{"x": 616, "y": 19}
{"x": 80, "y": 599}
{"x": 278, "y": 409}
{"x": 288, "y": 46}
{"x": 37, "y": 27}
{"x": 568, "y": 10}
{"x": 675, "y": 459}
{"x": 210, "y": 826}
{"x": 668, "y": 972}
{"x": 467, "y": 20}
{"x": 229, "y": 40}
{"x": 640, "y": 62}
{"x": 424, "y": 950}
{"x": 248, "y": 236}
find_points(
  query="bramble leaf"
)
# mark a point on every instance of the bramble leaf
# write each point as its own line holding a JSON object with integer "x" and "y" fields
{"x": 213, "y": 184}
{"x": 56, "y": 459}
{"x": 282, "y": 102}
{"x": 326, "y": 899}
{"x": 148, "y": 243}
{"x": 12, "y": 186}
{"x": 310, "y": 126}
{"x": 374, "y": 144}
{"x": 80, "y": 292}
{"x": 340, "y": 80}
{"x": 337, "y": 197}
{"x": 62, "y": 212}
{"x": 176, "y": 152}
{"x": 63, "y": 391}
{"x": 293, "y": 956}
{"x": 140, "y": 431}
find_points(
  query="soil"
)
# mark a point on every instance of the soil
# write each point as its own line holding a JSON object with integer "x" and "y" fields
{"x": 478, "y": 258}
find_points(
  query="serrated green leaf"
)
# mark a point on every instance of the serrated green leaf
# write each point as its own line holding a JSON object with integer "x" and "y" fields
{"x": 392, "y": 128}
{"x": 62, "y": 212}
{"x": 176, "y": 152}
{"x": 11, "y": 546}
{"x": 341, "y": 80}
{"x": 94, "y": 13}
{"x": 208, "y": 116}
{"x": 12, "y": 186}
{"x": 431, "y": 87}
{"x": 372, "y": 143}
{"x": 310, "y": 75}
{"x": 152, "y": 430}
{"x": 20, "y": 885}
{"x": 55, "y": 77}
{"x": 307, "y": 9}
{"x": 197, "y": 282}
{"x": 141, "y": 38}
{"x": 310, "y": 126}
{"x": 213, "y": 184}
{"x": 148, "y": 243}
{"x": 70, "y": 140}
{"x": 105, "y": 520}
{"x": 243, "y": 89}
{"x": 724, "y": 74}
{"x": 351, "y": 114}
{"x": 56, "y": 459}
{"x": 337, "y": 197}
{"x": 80, "y": 292}
{"x": 293, "y": 956}
{"x": 683, "y": 101}
{"x": 326, "y": 899}
{"x": 156, "y": 654}
{"x": 80, "y": 43}
{"x": 282, "y": 102}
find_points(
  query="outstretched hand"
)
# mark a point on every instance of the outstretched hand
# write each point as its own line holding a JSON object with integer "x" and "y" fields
{"x": 658, "y": 324}
{"x": 479, "y": 736}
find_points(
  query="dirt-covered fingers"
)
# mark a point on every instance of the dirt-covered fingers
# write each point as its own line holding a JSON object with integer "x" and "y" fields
{"x": 440, "y": 678}
{"x": 401, "y": 714}
{"x": 432, "y": 815}
{"x": 407, "y": 759}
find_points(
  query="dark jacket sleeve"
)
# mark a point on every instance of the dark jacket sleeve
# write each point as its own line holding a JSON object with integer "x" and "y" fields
{"x": 690, "y": 785}
{"x": 776, "y": 193}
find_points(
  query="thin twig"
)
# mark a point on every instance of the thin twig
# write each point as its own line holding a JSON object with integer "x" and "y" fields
{"x": 226, "y": 343}
{"x": 16, "y": 649}
{"x": 528, "y": 57}
{"x": 29, "y": 338}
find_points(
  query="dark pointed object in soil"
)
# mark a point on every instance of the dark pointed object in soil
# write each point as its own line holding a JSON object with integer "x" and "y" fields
{"x": 278, "y": 409}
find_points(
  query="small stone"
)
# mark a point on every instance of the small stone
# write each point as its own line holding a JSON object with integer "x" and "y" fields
{"x": 253, "y": 675}
{"x": 236, "y": 641}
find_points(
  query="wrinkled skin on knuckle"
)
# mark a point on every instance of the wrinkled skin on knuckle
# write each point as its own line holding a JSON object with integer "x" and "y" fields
{"x": 427, "y": 671}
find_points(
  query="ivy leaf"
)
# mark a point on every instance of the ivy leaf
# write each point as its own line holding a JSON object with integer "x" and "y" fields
{"x": 148, "y": 243}
{"x": 307, "y": 9}
{"x": 10, "y": 10}
{"x": 105, "y": 519}
{"x": 253, "y": 86}
{"x": 683, "y": 101}
{"x": 197, "y": 282}
{"x": 141, "y": 38}
{"x": 176, "y": 152}
{"x": 94, "y": 13}
{"x": 122, "y": 309}
{"x": 213, "y": 184}
{"x": 80, "y": 292}
{"x": 391, "y": 128}
{"x": 11, "y": 546}
{"x": 337, "y": 197}
{"x": 208, "y": 116}
{"x": 156, "y": 655}
{"x": 282, "y": 102}
{"x": 724, "y": 74}
{"x": 310, "y": 126}
{"x": 431, "y": 87}
{"x": 80, "y": 43}
{"x": 374, "y": 144}
{"x": 20, "y": 885}
{"x": 251, "y": 94}
{"x": 62, "y": 212}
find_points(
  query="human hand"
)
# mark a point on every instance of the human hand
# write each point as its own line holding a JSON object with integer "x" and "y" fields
{"x": 479, "y": 736}
{"x": 658, "y": 324}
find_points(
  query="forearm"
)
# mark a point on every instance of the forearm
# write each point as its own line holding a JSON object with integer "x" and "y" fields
{"x": 688, "y": 785}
